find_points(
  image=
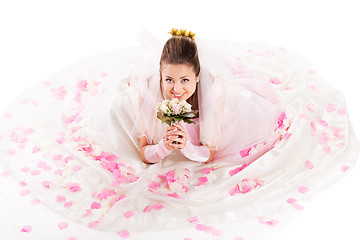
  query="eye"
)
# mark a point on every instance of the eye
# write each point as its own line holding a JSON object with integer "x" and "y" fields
{"x": 185, "y": 80}
{"x": 168, "y": 80}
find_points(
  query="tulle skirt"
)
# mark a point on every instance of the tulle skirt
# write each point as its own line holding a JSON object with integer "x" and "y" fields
{"x": 69, "y": 141}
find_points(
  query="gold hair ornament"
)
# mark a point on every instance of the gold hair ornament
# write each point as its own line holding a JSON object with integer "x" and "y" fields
{"x": 182, "y": 32}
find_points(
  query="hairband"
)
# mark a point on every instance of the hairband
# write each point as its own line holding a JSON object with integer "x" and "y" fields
{"x": 182, "y": 32}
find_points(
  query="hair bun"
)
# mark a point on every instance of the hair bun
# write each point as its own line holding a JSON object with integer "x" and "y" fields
{"x": 182, "y": 32}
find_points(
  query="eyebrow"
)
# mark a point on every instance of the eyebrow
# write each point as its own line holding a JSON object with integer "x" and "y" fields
{"x": 181, "y": 77}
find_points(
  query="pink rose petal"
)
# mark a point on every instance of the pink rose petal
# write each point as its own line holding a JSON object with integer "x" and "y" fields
{"x": 5, "y": 174}
{"x": 46, "y": 184}
{"x": 342, "y": 111}
{"x": 124, "y": 234}
{"x": 62, "y": 225}
{"x": 60, "y": 140}
{"x": 331, "y": 107}
{"x": 129, "y": 214}
{"x": 309, "y": 165}
{"x": 35, "y": 202}
{"x": 26, "y": 169}
{"x": 35, "y": 172}
{"x": 11, "y": 152}
{"x": 206, "y": 170}
{"x": 8, "y": 115}
{"x": 275, "y": 80}
{"x": 218, "y": 233}
{"x": 291, "y": 201}
{"x": 95, "y": 205}
{"x": 24, "y": 192}
{"x": 193, "y": 219}
{"x": 26, "y": 228}
{"x": 202, "y": 181}
{"x": 344, "y": 168}
{"x": 22, "y": 184}
{"x": 68, "y": 204}
{"x": 326, "y": 149}
{"x": 245, "y": 152}
{"x": 299, "y": 207}
{"x": 73, "y": 187}
{"x": 60, "y": 198}
{"x": 93, "y": 224}
{"x": 303, "y": 189}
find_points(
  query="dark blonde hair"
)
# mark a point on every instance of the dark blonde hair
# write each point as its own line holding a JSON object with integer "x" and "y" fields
{"x": 181, "y": 50}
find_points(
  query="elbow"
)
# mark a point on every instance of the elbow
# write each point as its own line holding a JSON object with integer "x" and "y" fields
{"x": 211, "y": 157}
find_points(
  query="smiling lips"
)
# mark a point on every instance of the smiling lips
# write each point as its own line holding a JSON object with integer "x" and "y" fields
{"x": 178, "y": 96}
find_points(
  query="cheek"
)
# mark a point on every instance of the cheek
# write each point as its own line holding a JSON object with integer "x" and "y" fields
{"x": 166, "y": 89}
{"x": 192, "y": 88}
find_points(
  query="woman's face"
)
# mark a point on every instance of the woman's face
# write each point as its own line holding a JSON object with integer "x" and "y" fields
{"x": 178, "y": 81}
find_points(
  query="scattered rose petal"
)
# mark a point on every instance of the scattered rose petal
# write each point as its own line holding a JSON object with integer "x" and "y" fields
{"x": 11, "y": 152}
{"x": 311, "y": 107}
{"x": 206, "y": 170}
{"x": 323, "y": 123}
{"x": 245, "y": 152}
{"x": 77, "y": 168}
{"x": 5, "y": 174}
{"x": 124, "y": 234}
{"x": 8, "y": 115}
{"x": 24, "y": 192}
{"x": 26, "y": 169}
{"x": 275, "y": 80}
{"x": 287, "y": 135}
{"x": 129, "y": 214}
{"x": 35, "y": 172}
{"x": 73, "y": 187}
{"x": 331, "y": 107}
{"x": 93, "y": 224}
{"x": 35, "y": 202}
{"x": 68, "y": 204}
{"x": 323, "y": 140}
{"x": 200, "y": 227}
{"x": 299, "y": 207}
{"x": 22, "y": 184}
{"x": 326, "y": 149}
{"x": 202, "y": 181}
{"x": 291, "y": 201}
{"x": 271, "y": 222}
{"x": 342, "y": 111}
{"x": 60, "y": 140}
{"x": 72, "y": 238}
{"x": 60, "y": 198}
{"x": 193, "y": 219}
{"x": 217, "y": 233}
{"x": 26, "y": 228}
{"x": 344, "y": 168}
{"x": 62, "y": 225}
{"x": 174, "y": 195}
{"x": 303, "y": 189}
{"x": 309, "y": 165}
{"x": 95, "y": 205}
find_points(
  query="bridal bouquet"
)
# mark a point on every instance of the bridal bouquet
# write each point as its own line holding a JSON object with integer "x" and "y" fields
{"x": 175, "y": 110}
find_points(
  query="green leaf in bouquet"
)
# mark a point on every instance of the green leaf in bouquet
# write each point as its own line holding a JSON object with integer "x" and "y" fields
{"x": 187, "y": 120}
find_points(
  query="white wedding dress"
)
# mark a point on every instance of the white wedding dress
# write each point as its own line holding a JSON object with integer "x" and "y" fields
{"x": 281, "y": 134}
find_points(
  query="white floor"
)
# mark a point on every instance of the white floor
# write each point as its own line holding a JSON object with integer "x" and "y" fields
{"x": 40, "y": 37}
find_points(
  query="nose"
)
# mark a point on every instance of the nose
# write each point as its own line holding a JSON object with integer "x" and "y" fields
{"x": 177, "y": 88}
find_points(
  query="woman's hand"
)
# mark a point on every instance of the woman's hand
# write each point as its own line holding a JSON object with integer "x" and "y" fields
{"x": 175, "y": 137}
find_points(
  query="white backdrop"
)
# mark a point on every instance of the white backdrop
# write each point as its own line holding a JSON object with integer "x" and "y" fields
{"x": 39, "y": 37}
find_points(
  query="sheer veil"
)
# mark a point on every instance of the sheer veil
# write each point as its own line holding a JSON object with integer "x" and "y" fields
{"x": 216, "y": 87}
